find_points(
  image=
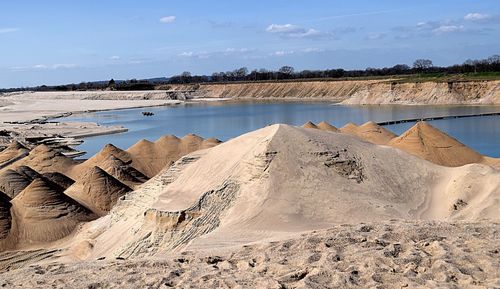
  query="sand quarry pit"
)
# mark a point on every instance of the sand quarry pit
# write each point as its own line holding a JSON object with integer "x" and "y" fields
{"x": 280, "y": 207}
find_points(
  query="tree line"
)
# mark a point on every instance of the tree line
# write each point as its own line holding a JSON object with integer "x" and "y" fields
{"x": 420, "y": 67}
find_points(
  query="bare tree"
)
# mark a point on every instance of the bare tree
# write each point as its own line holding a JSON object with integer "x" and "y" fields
{"x": 422, "y": 64}
{"x": 286, "y": 70}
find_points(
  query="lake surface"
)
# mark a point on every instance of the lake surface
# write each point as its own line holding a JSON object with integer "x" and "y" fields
{"x": 225, "y": 120}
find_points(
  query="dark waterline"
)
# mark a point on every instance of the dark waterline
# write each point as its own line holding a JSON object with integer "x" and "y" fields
{"x": 225, "y": 120}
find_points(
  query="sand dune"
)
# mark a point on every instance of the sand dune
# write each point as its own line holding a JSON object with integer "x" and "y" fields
{"x": 370, "y": 132}
{"x": 429, "y": 143}
{"x": 43, "y": 214}
{"x": 97, "y": 190}
{"x": 281, "y": 180}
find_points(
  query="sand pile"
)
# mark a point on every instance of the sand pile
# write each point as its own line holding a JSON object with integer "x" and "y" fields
{"x": 59, "y": 179}
{"x": 281, "y": 180}
{"x": 13, "y": 182}
{"x": 44, "y": 159}
{"x": 123, "y": 171}
{"x": 115, "y": 162}
{"x": 151, "y": 157}
{"x": 322, "y": 126}
{"x": 43, "y": 214}
{"x": 429, "y": 143}
{"x": 97, "y": 190}
{"x": 370, "y": 132}
{"x": 13, "y": 152}
{"x": 326, "y": 126}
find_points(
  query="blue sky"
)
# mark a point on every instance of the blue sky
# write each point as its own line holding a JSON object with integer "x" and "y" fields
{"x": 55, "y": 42}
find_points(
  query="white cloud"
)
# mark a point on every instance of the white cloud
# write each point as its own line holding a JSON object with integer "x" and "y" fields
{"x": 114, "y": 57}
{"x": 167, "y": 19}
{"x": 282, "y": 53}
{"x": 293, "y": 31}
{"x": 311, "y": 50}
{"x": 8, "y": 30}
{"x": 283, "y": 28}
{"x": 443, "y": 29}
{"x": 477, "y": 17}
{"x": 187, "y": 54}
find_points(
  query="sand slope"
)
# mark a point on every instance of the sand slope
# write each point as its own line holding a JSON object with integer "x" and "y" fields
{"x": 429, "y": 143}
{"x": 281, "y": 180}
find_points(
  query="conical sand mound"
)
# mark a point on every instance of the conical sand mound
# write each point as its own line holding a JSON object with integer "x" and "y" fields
{"x": 59, "y": 179}
{"x": 122, "y": 171}
{"x": 43, "y": 159}
{"x": 110, "y": 150}
{"x": 309, "y": 124}
{"x": 190, "y": 143}
{"x": 326, "y": 126}
{"x": 12, "y": 153}
{"x": 43, "y": 214}
{"x": 100, "y": 158}
{"x": 283, "y": 179}
{"x": 5, "y": 217}
{"x": 370, "y": 132}
{"x": 150, "y": 158}
{"x": 28, "y": 172}
{"x": 429, "y": 143}
{"x": 12, "y": 182}
{"x": 349, "y": 128}
{"x": 97, "y": 190}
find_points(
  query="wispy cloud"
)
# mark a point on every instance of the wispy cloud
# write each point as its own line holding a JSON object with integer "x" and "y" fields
{"x": 282, "y": 52}
{"x": 245, "y": 52}
{"x": 482, "y": 18}
{"x": 43, "y": 67}
{"x": 477, "y": 17}
{"x": 168, "y": 19}
{"x": 294, "y": 31}
{"x": 444, "y": 29}
{"x": 8, "y": 30}
{"x": 114, "y": 57}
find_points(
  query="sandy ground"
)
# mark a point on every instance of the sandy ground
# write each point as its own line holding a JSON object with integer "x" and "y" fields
{"x": 40, "y": 106}
{"x": 29, "y": 106}
{"x": 390, "y": 254}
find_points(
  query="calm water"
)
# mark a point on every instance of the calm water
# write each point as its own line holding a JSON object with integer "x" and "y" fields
{"x": 229, "y": 119}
